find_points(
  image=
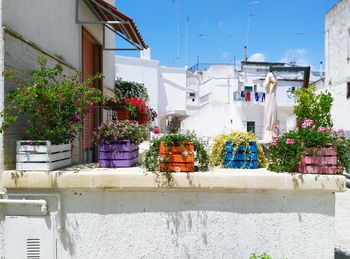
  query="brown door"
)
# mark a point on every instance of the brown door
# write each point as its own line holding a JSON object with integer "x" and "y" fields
{"x": 91, "y": 65}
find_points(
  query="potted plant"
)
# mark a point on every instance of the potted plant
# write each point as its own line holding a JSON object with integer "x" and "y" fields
{"x": 311, "y": 149}
{"x": 125, "y": 89}
{"x": 177, "y": 152}
{"x": 118, "y": 143}
{"x": 135, "y": 109}
{"x": 54, "y": 106}
{"x": 237, "y": 150}
{"x": 314, "y": 147}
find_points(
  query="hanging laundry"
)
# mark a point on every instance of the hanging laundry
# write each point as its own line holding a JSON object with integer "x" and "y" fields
{"x": 256, "y": 96}
{"x": 263, "y": 97}
{"x": 242, "y": 94}
{"x": 247, "y": 96}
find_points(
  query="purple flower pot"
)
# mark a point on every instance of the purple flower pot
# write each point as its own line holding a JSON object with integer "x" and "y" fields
{"x": 121, "y": 153}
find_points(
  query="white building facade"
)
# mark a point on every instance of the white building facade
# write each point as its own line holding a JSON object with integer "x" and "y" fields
{"x": 223, "y": 99}
{"x": 337, "y": 65}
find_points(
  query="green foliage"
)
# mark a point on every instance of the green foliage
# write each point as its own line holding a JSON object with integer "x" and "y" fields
{"x": 54, "y": 105}
{"x": 286, "y": 151}
{"x": 217, "y": 152}
{"x": 313, "y": 110}
{"x": 313, "y": 106}
{"x": 124, "y": 89}
{"x": 173, "y": 139}
{"x": 262, "y": 256}
{"x": 116, "y": 130}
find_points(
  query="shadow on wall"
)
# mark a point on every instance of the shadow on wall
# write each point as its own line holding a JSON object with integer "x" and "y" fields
{"x": 172, "y": 202}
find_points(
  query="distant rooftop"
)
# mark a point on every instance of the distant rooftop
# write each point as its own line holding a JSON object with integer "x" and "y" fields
{"x": 269, "y": 64}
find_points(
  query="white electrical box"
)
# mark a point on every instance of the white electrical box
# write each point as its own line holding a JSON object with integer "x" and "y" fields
{"x": 30, "y": 237}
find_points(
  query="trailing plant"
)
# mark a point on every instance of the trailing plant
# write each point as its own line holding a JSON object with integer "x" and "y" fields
{"x": 217, "y": 152}
{"x": 112, "y": 131}
{"x": 262, "y": 256}
{"x": 54, "y": 104}
{"x": 152, "y": 159}
{"x": 286, "y": 151}
{"x": 125, "y": 89}
{"x": 316, "y": 107}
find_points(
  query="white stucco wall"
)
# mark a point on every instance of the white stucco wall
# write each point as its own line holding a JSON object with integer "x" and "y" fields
{"x": 168, "y": 224}
{"x": 172, "y": 93}
{"x": 337, "y": 65}
{"x": 128, "y": 213}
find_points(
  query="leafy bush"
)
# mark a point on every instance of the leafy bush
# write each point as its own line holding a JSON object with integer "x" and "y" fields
{"x": 116, "y": 130}
{"x": 286, "y": 151}
{"x": 313, "y": 106}
{"x": 152, "y": 155}
{"x": 217, "y": 152}
{"x": 54, "y": 104}
{"x": 124, "y": 89}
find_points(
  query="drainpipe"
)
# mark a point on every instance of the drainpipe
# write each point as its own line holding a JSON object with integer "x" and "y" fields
{"x": 42, "y": 203}
{"x": 57, "y": 195}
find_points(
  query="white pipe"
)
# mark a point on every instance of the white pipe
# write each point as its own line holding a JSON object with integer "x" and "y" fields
{"x": 42, "y": 203}
{"x": 57, "y": 195}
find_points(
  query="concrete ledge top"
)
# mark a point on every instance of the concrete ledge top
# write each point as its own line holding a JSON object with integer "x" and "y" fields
{"x": 229, "y": 180}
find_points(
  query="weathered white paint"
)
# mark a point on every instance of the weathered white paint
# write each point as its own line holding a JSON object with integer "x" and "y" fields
{"x": 171, "y": 224}
{"x": 337, "y": 65}
{"x": 127, "y": 213}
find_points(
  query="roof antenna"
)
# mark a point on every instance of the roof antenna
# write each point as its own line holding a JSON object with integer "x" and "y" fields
{"x": 245, "y": 54}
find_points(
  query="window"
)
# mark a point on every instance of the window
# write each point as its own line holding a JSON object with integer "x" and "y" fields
{"x": 348, "y": 91}
{"x": 248, "y": 89}
{"x": 192, "y": 94}
{"x": 251, "y": 126}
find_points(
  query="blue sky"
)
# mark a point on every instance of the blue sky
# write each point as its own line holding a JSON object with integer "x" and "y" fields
{"x": 279, "y": 30}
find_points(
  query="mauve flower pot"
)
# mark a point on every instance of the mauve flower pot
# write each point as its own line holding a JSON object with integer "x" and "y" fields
{"x": 121, "y": 153}
{"x": 319, "y": 161}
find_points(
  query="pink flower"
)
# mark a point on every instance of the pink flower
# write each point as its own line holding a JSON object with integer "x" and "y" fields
{"x": 277, "y": 138}
{"x": 276, "y": 127}
{"x": 307, "y": 123}
{"x": 323, "y": 129}
{"x": 274, "y": 143}
{"x": 340, "y": 140}
{"x": 290, "y": 141}
{"x": 156, "y": 131}
{"x": 341, "y": 131}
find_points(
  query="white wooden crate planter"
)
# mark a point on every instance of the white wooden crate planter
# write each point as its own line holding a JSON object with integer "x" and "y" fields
{"x": 42, "y": 155}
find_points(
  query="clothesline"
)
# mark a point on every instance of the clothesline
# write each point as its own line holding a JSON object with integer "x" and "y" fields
{"x": 249, "y": 96}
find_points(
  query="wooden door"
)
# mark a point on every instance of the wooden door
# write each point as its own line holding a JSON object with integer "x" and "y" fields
{"x": 91, "y": 65}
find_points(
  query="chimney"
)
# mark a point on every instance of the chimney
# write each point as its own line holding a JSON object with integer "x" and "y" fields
{"x": 145, "y": 54}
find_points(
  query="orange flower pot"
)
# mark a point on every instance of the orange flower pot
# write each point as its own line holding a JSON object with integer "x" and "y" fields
{"x": 177, "y": 158}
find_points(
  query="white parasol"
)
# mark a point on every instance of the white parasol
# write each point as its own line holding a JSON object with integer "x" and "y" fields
{"x": 270, "y": 115}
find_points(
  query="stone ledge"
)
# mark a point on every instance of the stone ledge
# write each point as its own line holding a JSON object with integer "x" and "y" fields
{"x": 136, "y": 179}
